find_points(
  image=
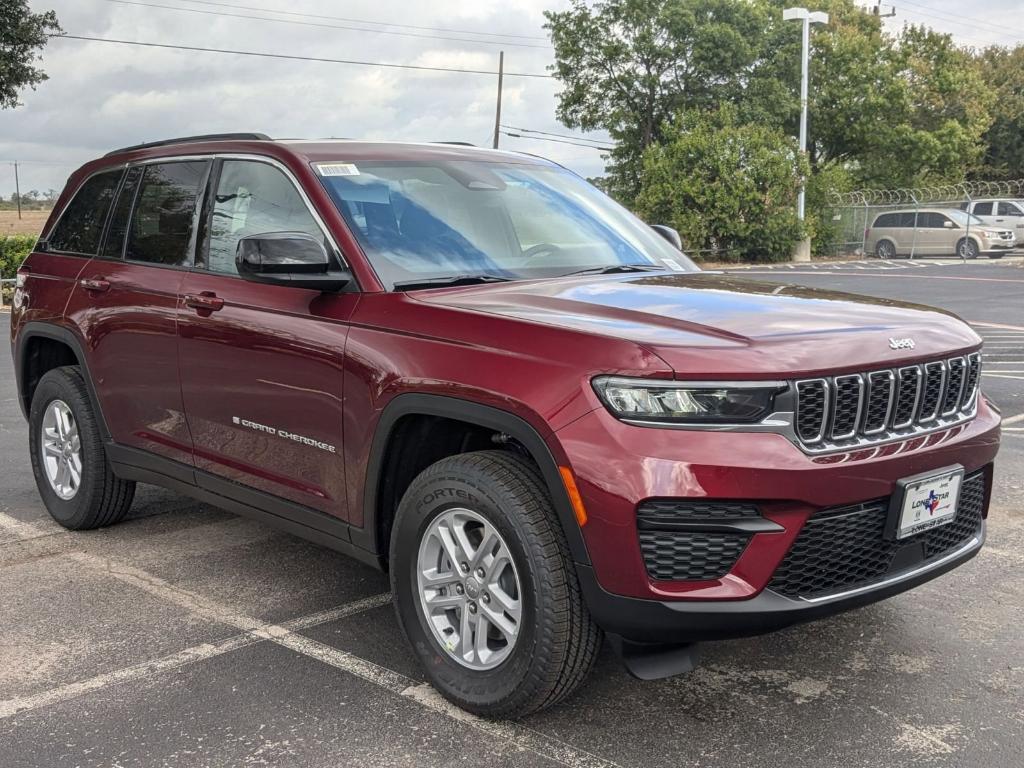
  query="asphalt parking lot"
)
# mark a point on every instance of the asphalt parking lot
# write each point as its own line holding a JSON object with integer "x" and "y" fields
{"x": 189, "y": 637}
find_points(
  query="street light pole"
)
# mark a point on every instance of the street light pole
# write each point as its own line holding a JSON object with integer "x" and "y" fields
{"x": 806, "y": 18}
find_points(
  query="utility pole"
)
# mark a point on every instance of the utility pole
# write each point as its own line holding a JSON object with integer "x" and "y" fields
{"x": 877, "y": 10}
{"x": 806, "y": 18}
{"x": 497, "y": 112}
{"x": 17, "y": 188}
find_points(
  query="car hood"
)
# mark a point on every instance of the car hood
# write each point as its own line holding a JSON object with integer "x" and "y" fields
{"x": 719, "y": 324}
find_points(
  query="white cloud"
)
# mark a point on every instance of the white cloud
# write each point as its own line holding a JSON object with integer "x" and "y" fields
{"x": 102, "y": 96}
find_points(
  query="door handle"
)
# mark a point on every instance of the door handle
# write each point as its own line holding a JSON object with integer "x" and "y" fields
{"x": 95, "y": 284}
{"x": 207, "y": 301}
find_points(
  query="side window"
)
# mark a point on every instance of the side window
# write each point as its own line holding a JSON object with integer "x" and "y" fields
{"x": 1010, "y": 209}
{"x": 983, "y": 209}
{"x": 113, "y": 246}
{"x": 252, "y": 198}
{"x": 936, "y": 220}
{"x": 81, "y": 225}
{"x": 886, "y": 220}
{"x": 906, "y": 219}
{"x": 161, "y": 224}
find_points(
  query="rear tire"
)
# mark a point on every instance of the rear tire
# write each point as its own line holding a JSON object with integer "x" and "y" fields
{"x": 498, "y": 496}
{"x": 885, "y": 250}
{"x": 69, "y": 462}
{"x": 967, "y": 249}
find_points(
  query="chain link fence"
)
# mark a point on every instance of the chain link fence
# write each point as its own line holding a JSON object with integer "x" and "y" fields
{"x": 850, "y": 215}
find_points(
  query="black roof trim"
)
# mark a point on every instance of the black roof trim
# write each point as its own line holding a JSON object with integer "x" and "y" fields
{"x": 188, "y": 139}
{"x": 456, "y": 143}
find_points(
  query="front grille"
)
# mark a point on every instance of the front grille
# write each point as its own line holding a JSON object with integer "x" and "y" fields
{"x": 845, "y": 547}
{"x": 679, "y": 556}
{"x": 859, "y": 409}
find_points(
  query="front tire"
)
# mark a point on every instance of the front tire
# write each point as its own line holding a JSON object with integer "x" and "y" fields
{"x": 69, "y": 462}
{"x": 967, "y": 249}
{"x": 485, "y": 588}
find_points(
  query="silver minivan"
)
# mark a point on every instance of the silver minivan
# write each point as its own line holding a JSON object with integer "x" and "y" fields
{"x": 936, "y": 232}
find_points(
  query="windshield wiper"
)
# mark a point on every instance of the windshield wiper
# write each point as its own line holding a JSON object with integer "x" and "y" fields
{"x": 616, "y": 269}
{"x": 443, "y": 282}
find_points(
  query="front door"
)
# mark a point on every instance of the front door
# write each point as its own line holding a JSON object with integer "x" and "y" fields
{"x": 261, "y": 365}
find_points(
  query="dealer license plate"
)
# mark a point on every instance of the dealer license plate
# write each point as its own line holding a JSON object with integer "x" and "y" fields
{"x": 926, "y": 502}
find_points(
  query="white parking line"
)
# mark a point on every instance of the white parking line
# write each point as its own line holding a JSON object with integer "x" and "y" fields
{"x": 283, "y": 634}
{"x": 11, "y": 707}
{"x": 1003, "y": 376}
{"x": 1013, "y": 420}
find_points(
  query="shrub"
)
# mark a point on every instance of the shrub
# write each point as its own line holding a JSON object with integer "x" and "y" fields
{"x": 729, "y": 189}
{"x": 13, "y": 251}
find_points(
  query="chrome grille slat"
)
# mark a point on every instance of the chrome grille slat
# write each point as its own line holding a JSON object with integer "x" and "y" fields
{"x": 972, "y": 379}
{"x": 909, "y": 396}
{"x": 864, "y": 409}
{"x": 933, "y": 388}
{"x": 955, "y": 378}
{"x": 848, "y": 401}
{"x": 878, "y": 401}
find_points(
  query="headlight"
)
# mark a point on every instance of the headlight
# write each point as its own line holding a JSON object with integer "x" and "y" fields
{"x": 687, "y": 402}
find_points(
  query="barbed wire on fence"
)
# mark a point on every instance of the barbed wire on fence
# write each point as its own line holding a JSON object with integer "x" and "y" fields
{"x": 966, "y": 190}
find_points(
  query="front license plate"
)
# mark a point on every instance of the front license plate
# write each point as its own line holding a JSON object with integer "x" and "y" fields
{"x": 923, "y": 502}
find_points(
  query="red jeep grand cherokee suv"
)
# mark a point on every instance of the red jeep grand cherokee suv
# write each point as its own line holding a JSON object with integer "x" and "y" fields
{"x": 475, "y": 370}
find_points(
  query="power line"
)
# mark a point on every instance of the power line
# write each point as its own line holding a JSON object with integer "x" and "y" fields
{"x": 321, "y": 24}
{"x": 548, "y": 133}
{"x": 977, "y": 23}
{"x": 557, "y": 141}
{"x": 918, "y": 18}
{"x": 362, "y": 21}
{"x": 294, "y": 57}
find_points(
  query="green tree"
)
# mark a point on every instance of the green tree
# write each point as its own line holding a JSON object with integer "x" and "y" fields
{"x": 1003, "y": 68}
{"x": 23, "y": 34}
{"x": 936, "y": 131}
{"x": 729, "y": 188}
{"x": 628, "y": 65}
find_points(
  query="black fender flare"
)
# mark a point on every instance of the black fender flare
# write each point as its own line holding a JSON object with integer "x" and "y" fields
{"x": 40, "y": 329}
{"x": 472, "y": 413}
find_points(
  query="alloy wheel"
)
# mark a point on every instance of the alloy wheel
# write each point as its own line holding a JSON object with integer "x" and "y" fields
{"x": 469, "y": 589}
{"x": 61, "y": 449}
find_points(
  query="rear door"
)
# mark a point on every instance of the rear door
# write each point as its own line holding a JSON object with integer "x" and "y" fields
{"x": 261, "y": 365}
{"x": 127, "y": 304}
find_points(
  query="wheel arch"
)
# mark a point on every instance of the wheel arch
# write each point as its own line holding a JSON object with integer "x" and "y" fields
{"x": 35, "y": 336}
{"x": 374, "y": 533}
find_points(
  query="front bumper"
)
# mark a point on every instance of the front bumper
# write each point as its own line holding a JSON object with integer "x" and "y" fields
{"x": 618, "y": 466}
{"x": 683, "y": 622}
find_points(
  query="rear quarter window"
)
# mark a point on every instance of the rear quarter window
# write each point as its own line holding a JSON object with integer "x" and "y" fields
{"x": 81, "y": 225}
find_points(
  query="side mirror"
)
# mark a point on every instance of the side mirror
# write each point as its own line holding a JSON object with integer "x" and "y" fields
{"x": 948, "y": 224}
{"x": 669, "y": 234}
{"x": 289, "y": 258}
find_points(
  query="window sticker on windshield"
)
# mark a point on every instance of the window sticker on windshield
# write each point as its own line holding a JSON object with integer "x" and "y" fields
{"x": 337, "y": 169}
{"x": 674, "y": 265}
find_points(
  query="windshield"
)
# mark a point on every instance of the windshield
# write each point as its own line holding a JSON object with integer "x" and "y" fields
{"x": 431, "y": 220}
{"x": 961, "y": 218}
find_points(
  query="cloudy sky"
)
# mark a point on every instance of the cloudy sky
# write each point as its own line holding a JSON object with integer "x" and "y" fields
{"x": 104, "y": 95}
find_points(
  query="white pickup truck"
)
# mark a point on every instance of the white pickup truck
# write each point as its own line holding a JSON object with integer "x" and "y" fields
{"x": 1004, "y": 213}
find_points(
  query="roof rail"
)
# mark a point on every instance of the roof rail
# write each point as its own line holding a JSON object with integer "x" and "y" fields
{"x": 187, "y": 139}
{"x": 456, "y": 143}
